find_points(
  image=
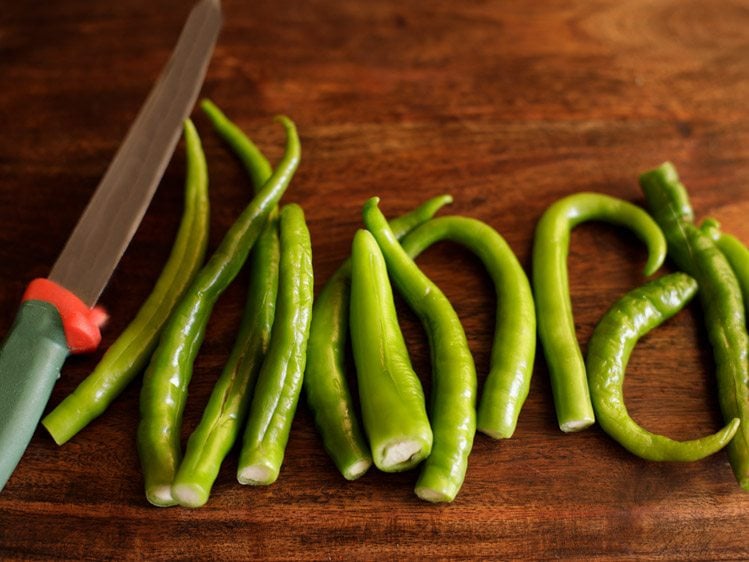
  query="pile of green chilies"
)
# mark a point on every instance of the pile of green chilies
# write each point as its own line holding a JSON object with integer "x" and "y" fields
{"x": 718, "y": 263}
{"x": 713, "y": 264}
{"x": 261, "y": 382}
{"x": 400, "y": 430}
{"x": 285, "y": 343}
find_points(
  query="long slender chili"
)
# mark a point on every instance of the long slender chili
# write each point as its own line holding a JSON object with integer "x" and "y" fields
{"x": 127, "y": 356}
{"x": 325, "y": 385}
{"x": 694, "y": 252}
{"x": 279, "y": 382}
{"x": 227, "y": 406}
{"x": 556, "y": 326}
{"x": 609, "y": 349}
{"x": 513, "y": 351}
{"x": 391, "y": 397}
{"x": 453, "y": 399}
{"x": 166, "y": 379}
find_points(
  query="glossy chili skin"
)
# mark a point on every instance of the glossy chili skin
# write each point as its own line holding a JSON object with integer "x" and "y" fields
{"x": 255, "y": 163}
{"x": 735, "y": 252}
{"x": 695, "y": 253}
{"x": 226, "y": 410}
{"x": 513, "y": 351}
{"x": 390, "y": 393}
{"x": 279, "y": 382}
{"x": 165, "y": 382}
{"x": 453, "y": 396}
{"x": 130, "y": 352}
{"x": 556, "y": 327}
{"x": 609, "y": 350}
{"x": 325, "y": 384}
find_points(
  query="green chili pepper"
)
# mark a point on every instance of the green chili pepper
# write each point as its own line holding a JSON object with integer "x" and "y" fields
{"x": 506, "y": 386}
{"x": 166, "y": 379}
{"x": 128, "y": 355}
{"x": 390, "y": 393}
{"x": 255, "y": 163}
{"x": 735, "y": 252}
{"x": 227, "y": 406}
{"x": 694, "y": 252}
{"x": 280, "y": 380}
{"x": 610, "y": 347}
{"x": 551, "y": 288}
{"x": 325, "y": 384}
{"x": 453, "y": 400}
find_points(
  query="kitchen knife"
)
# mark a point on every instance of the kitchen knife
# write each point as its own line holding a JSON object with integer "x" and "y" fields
{"x": 57, "y": 315}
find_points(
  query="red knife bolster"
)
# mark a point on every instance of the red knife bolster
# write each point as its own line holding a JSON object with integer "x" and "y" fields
{"x": 80, "y": 323}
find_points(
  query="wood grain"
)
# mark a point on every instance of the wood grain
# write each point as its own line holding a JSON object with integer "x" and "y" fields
{"x": 506, "y": 105}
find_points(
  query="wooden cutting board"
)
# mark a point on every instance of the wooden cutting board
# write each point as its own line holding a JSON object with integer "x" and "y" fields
{"x": 508, "y": 106}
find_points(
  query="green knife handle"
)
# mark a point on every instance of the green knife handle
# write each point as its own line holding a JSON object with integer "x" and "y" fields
{"x": 30, "y": 361}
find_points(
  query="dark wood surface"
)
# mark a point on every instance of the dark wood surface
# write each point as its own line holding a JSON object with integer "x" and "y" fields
{"x": 506, "y": 105}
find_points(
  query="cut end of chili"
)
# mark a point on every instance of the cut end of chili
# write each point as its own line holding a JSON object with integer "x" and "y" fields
{"x": 402, "y": 455}
{"x": 160, "y": 496}
{"x": 257, "y": 475}
{"x": 437, "y": 487}
{"x": 190, "y": 495}
{"x": 576, "y": 425}
{"x": 356, "y": 469}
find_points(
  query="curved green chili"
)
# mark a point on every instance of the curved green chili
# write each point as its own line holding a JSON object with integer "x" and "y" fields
{"x": 227, "y": 406}
{"x": 610, "y": 347}
{"x": 279, "y": 382}
{"x": 556, "y": 326}
{"x": 325, "y": 385}
{"x": 511, "y": 366}
{"x": 166, "y": 379}
{"x": 694, "y": 252}
{"x": 453, "y": 398}
{"x": 390, "y": 393}
{"x": 255, "y": 163}
{"x": 127, "y": 356}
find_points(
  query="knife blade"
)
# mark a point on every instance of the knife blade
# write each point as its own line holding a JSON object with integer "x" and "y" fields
{"x": 57, "y": 314}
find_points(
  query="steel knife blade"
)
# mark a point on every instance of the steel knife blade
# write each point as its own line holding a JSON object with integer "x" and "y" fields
{"x": 57, "y": 315}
